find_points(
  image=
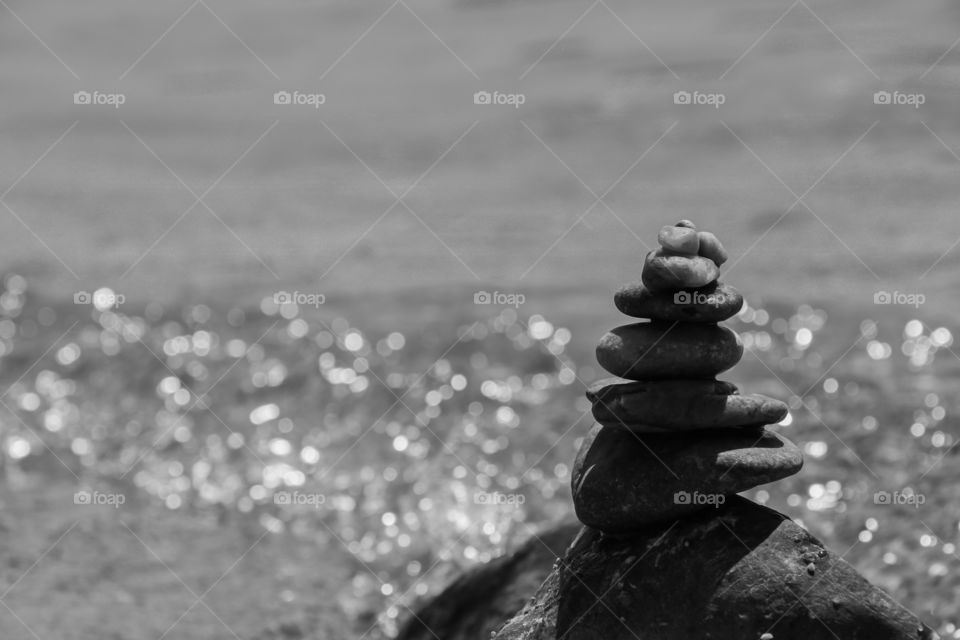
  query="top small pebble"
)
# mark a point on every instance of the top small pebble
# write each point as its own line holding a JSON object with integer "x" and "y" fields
{"x": 683, "y": 239}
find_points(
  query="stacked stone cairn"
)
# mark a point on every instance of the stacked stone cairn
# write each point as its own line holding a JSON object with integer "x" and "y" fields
{"x": 672, "y": 439}
{"x": 669, "y": 551}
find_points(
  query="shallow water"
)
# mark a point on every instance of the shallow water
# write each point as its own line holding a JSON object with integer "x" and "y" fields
{"x": 421, "y": 454}
{"x": 394, "y": 444}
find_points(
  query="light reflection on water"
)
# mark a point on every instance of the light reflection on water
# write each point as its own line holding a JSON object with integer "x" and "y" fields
{"x": 423, "y": 454}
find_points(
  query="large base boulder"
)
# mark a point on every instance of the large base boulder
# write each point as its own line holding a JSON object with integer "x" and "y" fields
{"x": 743, "y": 572}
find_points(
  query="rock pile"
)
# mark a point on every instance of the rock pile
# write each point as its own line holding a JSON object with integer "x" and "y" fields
{"x": 672, "y": 439}
{"x": 669, "y": 551}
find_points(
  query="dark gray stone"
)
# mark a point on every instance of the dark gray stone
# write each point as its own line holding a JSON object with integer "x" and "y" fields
{"x": 715, "y": 302}
{"x": 657, "y": 350}
{"x": 710, "y": 247}
{"x": 680, "y": 405}
{"x": 623, "y": 482}
{"x": 665, "y": 272}
{"x": 736, "y": 573}
{"x": 682, "y": 241}
{"x": 742, "y": 573}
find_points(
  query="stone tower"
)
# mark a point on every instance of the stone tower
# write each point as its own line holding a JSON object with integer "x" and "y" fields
{"x": 669, "y": 551}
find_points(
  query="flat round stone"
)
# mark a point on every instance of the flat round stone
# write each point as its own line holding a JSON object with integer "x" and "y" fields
{"x": 715, "y": 302}
{"x": 623, "y": 482}
{"x": 680, "y": 405}
{"x": 665, "y": 272}
{"x": 658, "y": 350}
